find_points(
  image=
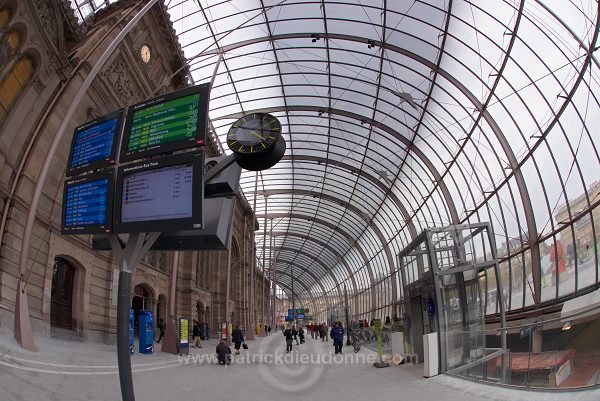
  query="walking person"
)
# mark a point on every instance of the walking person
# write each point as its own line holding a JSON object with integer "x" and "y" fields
{"x": 311, "y": 329}
{"x": 196, "y": 335}
{"x": 337, "y": 335}
{"x": 301, "y": 334}
{"x": 289, "y": 339}
{"x": 207, "y": 333}
{"x": 325, "y": 331}
{"x": 238, "y": 338}
{"x": 161, "y": 327}
{"x": 295, "y": 334}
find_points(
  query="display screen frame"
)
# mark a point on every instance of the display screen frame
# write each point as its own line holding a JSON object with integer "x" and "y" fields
{"x": 198, "y": 139}
{"x": 90, "y": 228}
{"x": 195, "y": 222}
{"x": 100, "y": 163}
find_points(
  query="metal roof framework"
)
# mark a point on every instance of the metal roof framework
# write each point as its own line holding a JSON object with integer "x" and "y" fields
{"x": 403, "y": 115}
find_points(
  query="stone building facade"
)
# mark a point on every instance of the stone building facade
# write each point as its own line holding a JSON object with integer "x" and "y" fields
{"x": 45, "y": 55}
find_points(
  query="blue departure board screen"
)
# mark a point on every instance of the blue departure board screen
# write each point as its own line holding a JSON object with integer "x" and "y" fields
{"x": 94, "y": 144}
{"x": 87, "y": 205}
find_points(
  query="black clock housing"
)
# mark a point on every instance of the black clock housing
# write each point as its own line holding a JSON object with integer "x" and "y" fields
{"x": 254, "y": 134}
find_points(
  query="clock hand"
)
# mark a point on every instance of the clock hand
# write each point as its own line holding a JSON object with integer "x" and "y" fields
{"x": 256, "y": 134}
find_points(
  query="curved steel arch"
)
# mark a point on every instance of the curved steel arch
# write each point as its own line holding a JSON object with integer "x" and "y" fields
{"x": 430, "y": 167}
{"x": 334, "y": 227}
{"x": 375, "y": 228}
{"x": 306, "y": 290}
{"x": 284, "y": 272}
{"x": 311, "y": 257}
{"x": 366, "y": 176}
{"x": 324, "y": 245}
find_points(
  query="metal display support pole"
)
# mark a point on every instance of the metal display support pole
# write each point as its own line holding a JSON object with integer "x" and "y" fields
{"x": 128, "y": 256}
{"x": 347, "y": 317}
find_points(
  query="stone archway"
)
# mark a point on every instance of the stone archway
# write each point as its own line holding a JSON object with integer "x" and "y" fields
{"x": 143, "y": 299}
{"x": 161, "y": 309}
{"x": 66, "y": 309}
{"x": 200, "y": 315}
{"x": 61, "y": 295}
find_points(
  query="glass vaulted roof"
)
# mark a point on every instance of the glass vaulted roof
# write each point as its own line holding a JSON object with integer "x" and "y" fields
{"x": 403, "y": 115}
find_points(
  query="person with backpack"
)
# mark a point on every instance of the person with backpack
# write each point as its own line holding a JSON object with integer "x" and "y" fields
{"x": 238, "y": 338}
{"x": 337, "y": 335}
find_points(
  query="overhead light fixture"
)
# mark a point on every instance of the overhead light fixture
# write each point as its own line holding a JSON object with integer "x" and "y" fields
{"x": 406, "y": 97}
{"x": 567, "y": 326}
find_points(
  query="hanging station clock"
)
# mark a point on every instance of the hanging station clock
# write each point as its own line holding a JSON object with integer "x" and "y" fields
{"x": 254, "y": 134}
{"x": 257, "y": 139}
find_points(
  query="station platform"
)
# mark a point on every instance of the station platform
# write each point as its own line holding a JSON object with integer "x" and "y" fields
{"x": 69, "y": 370}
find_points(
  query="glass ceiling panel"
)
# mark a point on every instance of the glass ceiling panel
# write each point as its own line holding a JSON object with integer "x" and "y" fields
{"x": 339, "y": 164}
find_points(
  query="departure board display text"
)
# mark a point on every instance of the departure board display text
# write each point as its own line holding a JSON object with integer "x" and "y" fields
{"x": 94, "y": 144}
{"x": 164, "y": 194}
{"x": 87, "y": 205}
{"x": 173, "y": 122}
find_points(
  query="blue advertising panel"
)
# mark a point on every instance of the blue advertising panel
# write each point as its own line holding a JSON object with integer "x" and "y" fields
{"x": 291, "y": 312}
{"x": 146, "y": 332}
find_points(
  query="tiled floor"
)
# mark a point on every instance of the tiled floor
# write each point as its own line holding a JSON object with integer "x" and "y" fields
{"x": 66, "y": 370}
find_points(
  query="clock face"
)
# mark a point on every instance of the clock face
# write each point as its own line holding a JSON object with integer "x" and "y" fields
{"x": 254, "y": 134}
{"x": 145, "y": 53}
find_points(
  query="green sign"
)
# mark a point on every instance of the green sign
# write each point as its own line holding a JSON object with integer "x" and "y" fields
{"x": 299, "y": 311}
{"x": 164, "y": 122}
{"x": 526, "y": 331}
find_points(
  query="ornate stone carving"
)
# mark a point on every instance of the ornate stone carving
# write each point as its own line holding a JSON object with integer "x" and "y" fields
{"x": 46, "y": 14}
{"x": 118, "y": 76}
{"x": 139, "y": 28}
{"x": 5, "y": 51}
{"x": 41, "y": 80}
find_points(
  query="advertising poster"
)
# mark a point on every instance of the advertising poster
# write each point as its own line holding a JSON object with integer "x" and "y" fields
{"x": 184, "y": 334}
{"x": 183, "y": 331}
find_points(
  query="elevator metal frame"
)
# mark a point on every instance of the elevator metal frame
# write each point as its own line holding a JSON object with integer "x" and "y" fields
{"x": 467, "y": 250}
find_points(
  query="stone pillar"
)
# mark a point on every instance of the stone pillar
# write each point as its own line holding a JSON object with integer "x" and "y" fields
{"x": 536, "y": 340}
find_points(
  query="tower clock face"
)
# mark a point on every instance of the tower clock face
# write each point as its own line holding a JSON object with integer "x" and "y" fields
{"x": 145, "y": 53}
{"x": 254, "y": 134}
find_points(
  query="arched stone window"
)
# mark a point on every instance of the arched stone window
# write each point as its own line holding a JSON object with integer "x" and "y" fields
{"x": 14, "y": 82}
{"x": 5, "y": 15}
{"x": 9, "y": 43}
